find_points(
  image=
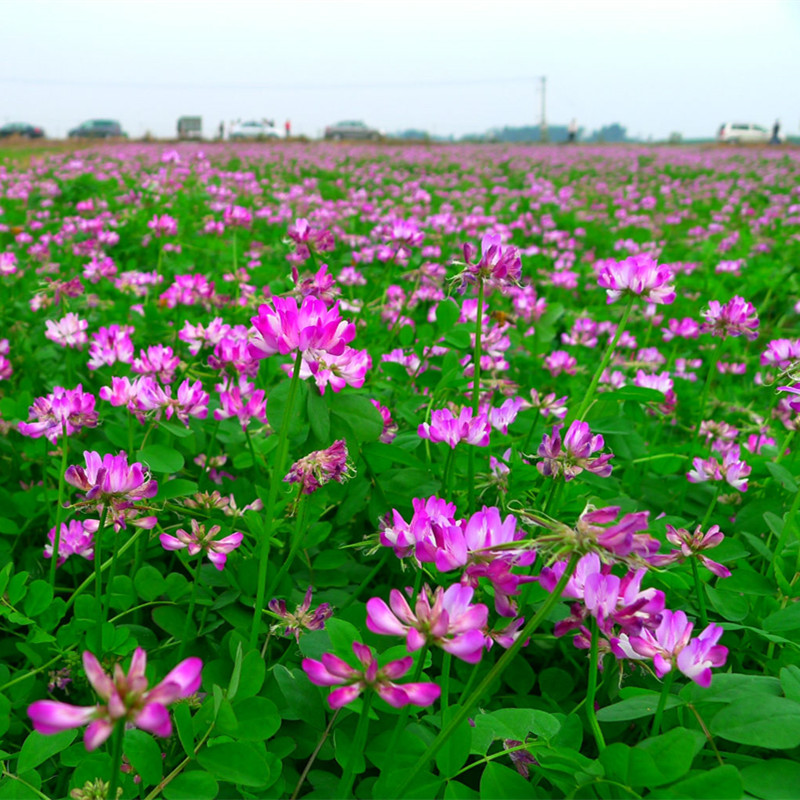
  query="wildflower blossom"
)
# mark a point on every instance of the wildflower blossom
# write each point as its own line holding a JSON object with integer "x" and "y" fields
{"x": 200, "y": 540}
{"x": 445, "y": 427}
{"x": 574, "y": 454}
{"x": 737, "y": 317}
{"x": 692, "y": 545}
{"x": 127, "y": 700}
{"x": 77, "y": 539}
{"x": 638, "y": 275}
{"x": 302, "y": 618}
{"x": 320, "y": 467}
{"x": 110, "y": 345}
{"x": 110, "y": 481}
{"x": 450, "y": 621}
{"x": 500, "y": 264}
{"x": 332, "y": 671}
{"x": 69, "y": 331}
{"x": 62, "y": 411}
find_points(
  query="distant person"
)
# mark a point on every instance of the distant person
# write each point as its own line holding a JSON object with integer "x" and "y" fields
{"x": 572, "y": 130}
{"x": 288, "y": 127}
{"x": 776, "y": 129}
{"x": 221, "y": 133}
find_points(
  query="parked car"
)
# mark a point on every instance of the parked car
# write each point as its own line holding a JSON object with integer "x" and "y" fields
{"x": 190, "y": 128}
{"x": 97, "y": 129}
{"x": 253, "y": 129}
{"x": 22, "y": 129}
{"x": 351, "y": 129}
{"x": 743, "y": 133}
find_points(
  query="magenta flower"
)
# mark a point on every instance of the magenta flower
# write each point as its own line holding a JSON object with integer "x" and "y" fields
{"x": 332, "y": 671}
{"x": 320, "y": 467}
{"x": 560, "y": 361}
{"x": 65, "y": 410}
{"x": 450, "y": 622}
{"x": 110, "y": 345}
{"x": 736, "y": 318}
{"x": 389, "y": 425}
{"x": 691, "y": 545}
{"x": 127, "y": 700}
{"x": 158, "y": 361}
{"x": 499, "y": 263}
{"x": 638, "y": 275}
{"x": 574, "y": 454}
{"x": 303, "y": 618}
{"x": 731, "y": 469}
{"x": 445, "y": 427}
{"x": 163, "y": 225}
{"x": 286, "y": 329}
{"x": 77, "y": 539}
{"x": 111, "y": 481}
{"x": 202, "y": 541}
{"x": 244, "y": 402}
{"x": 347, "y": 369}
{"x": 431, "y": 518}
{"x": 670, "y": 645}
{"x": 548, "y": 404}
{"x": 69, "y": 331}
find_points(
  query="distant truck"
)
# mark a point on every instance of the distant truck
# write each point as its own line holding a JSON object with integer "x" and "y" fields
{"x": 190, "y": 128}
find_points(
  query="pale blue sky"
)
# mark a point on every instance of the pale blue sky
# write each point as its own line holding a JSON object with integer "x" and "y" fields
{"x": 448, "y": 66}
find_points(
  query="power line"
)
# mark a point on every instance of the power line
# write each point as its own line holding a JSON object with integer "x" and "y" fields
{"x": 276, "y": 87}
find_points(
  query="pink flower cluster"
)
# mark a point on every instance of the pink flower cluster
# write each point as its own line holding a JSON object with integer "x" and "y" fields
{"x": 572, "y": 455}
{"x": 446, "y": 427}
{"x": 638, "y": 275}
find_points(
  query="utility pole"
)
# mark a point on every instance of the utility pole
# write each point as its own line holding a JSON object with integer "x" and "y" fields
{"x": 543, "y": 127}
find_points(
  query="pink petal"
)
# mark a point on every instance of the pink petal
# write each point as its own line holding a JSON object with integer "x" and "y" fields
{"x": 393, "y": 695}
{"x": 380, "y": 619}
{"x": 97, "y": 732}
{"x": 341, "y": 697}
{"x": 319, "y": 675}
{"x": 170, "y": 542}
{"x": 50, "y": 716}
{"x": 154, "y": 718}
{"x": 101, "y": 682}
{"x": 422, "y": 694}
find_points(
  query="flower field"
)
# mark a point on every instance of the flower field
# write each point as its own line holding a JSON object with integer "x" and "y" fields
{"x": 388, "y": 472}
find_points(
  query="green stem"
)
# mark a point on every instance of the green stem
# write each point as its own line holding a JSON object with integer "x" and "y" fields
{"x": 499, "y": 667}
{"x": 276, "y": 480}
{"x": 98, "y": 567}
{"x": 591, "y": 691}
{"x": 699, "y": 592}
{"x": 589, "y": 397}
{"x": 785, "y": 446}
{"x": 404, "y": 714}
{"x": 476, "y": 393}
{"x": 445, "y": 698}
{"x": 116, "y": 760}
{"x": 710, "y": 509}
{"x": 787, "y": 526}
{"x": 206, "y": 475}
{"x": 60, "y": 506}
{"x": 367, "y": 581}
{"x": 297, "y": 538}
{"x": 348, "y": 776}
{"x": 706, "y": 388}
{"x": 448, "y": 467}
{"x": 662, "y": 701}
{"x": 187, "y": 625}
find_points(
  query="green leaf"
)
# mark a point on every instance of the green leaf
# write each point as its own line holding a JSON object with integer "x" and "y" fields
{"x": 770, "y": 780}
{"x": 319, "y": 416}
{"x": 160, "y": 458}
{"x": 459, "y": 337}
{"x": 149, "y": 583}
{"x": 183, "y": 724}
{"x": 672, "y": 753}
{"x": 643, "y": 705}
{"x": 179, "y": 487}
{"x": 790, "y": 682}
{"x": 236, "y": 762}
{"x": 39, "y": 597}
{"x": 447, "y": 314}
{"x": 195, "y": 785}
{"x": 144, "y": 755}
{"x": 276, "y": 406}
{"x": 254, "y": 671}
{"x": 258, "y": 719}
{"x": 762, "y": 721}
{"x": 122, "y": 595}
{"x": 502, "y": 783}
{"x": 358, "y": 415}
{"x": 455, "y": 790}
{"x": 787, "y": 619}
{"x": 722, "y": 783}
{"x": 342, "y": 634}
{"x": 782, "y": 476}
{"x": 37, "y": 748}
{"x": 455, "y": 751}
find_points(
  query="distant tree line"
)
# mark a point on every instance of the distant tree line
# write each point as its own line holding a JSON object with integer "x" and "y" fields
{"x": 612, "y": 134}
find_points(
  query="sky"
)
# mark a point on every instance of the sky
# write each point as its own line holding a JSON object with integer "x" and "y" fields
{"x": 444, "y": 66}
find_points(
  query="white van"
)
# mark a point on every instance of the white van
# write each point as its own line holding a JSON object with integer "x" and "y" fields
{"x": 743, "y": 133}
